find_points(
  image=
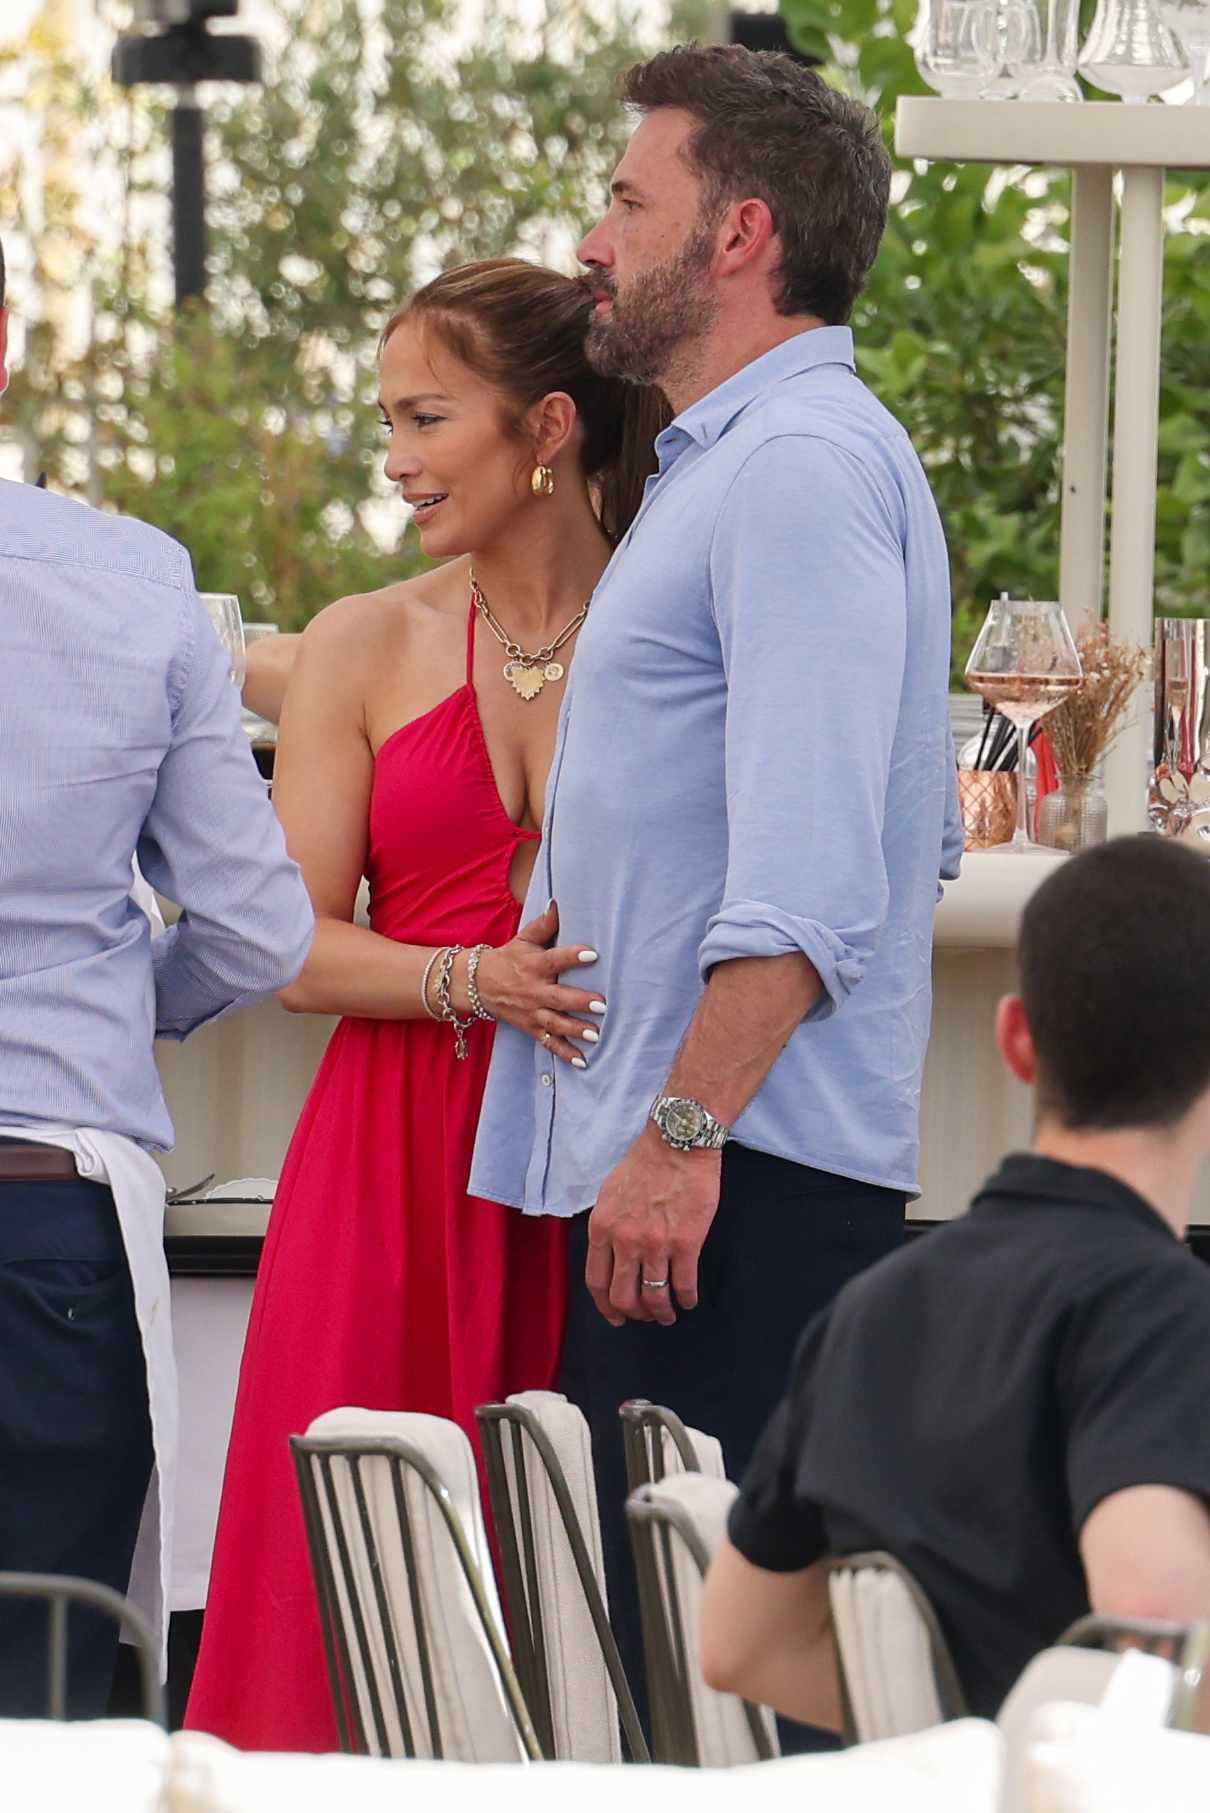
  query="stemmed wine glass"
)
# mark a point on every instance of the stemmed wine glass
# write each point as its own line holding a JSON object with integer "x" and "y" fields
{"x": 1024, "y": 662}
{"x": 1190, "y": 20}
{"x": 224, "y": 613}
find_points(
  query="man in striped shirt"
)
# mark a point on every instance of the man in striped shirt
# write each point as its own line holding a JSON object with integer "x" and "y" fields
{"x": 119, "y": 735}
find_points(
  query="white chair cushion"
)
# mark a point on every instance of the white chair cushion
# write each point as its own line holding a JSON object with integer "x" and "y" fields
{"x": 707, "y": 1448}
{"x": 884, "y": 1645}
{"x": 106, "y": 1766}
{"x": 476, "y": 1723}
{"x": 584, "y": 1711}
{"x": 1085, "y": 1759}
{"x": 954, "y": 1769}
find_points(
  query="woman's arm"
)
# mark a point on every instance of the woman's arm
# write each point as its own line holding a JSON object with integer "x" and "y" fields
{"x": 321, "y": 789}
{"x": 270, "y": 662}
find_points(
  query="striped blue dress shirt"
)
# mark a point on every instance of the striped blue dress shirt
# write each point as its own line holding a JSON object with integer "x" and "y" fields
{"x": 120, "y": 732}
{"x": 753, "y": 759}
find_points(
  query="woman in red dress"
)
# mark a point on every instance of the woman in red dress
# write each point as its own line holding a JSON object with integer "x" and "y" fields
{"x": 414, "y": 750}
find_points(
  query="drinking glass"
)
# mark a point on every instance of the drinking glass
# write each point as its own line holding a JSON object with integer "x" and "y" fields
{"x": 957, "y": 45}
{"x": 223, "y": 610}
{"x": 1024, "y": 662}
{"x": 1016, "y": 27}
{"x": 1130, "y": 51}
{"x": 1042, "y": 50}
{"x": 1190, "y": 20}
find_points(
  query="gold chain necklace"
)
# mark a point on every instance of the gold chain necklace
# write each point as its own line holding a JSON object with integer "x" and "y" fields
{"x": 527, "y": 674}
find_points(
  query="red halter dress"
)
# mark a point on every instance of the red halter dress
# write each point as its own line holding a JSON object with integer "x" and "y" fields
{"x": 382, "y": 1283}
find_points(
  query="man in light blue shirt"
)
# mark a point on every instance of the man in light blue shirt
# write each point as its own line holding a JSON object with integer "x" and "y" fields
{"x": 752, "y": 792}
{"x": 119, "y": 732}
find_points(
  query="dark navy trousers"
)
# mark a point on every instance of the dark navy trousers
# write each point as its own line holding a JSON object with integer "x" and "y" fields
{"x": 75, "y": 1431}
{"x": 784, "y": 1241}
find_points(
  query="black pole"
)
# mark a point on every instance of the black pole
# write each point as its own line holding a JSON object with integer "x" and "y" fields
{"x": 188, "y": 196}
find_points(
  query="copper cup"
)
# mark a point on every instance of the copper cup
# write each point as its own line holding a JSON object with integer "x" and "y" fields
{"x": 988, "y": 798}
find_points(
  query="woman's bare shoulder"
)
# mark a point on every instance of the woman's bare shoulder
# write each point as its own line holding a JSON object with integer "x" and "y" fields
{"x": 361, "y": 628}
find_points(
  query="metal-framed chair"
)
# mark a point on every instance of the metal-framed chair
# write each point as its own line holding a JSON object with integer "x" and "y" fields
{"x": 1185, "y": 1646}
{"x": 676, "y": 1525}
{"x": 542, "y": 1490}
{"x": 413, "y": 1638}
{"x": 896, "y": 1672}
{"x": 60, "y": 1591}
{"x": 658, "y": 1444}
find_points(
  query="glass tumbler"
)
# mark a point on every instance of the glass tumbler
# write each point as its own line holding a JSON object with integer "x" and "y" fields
{"x": 957, "y": 46}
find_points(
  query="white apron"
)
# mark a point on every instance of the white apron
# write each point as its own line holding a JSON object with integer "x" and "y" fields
{"x": 138, "y": 1187}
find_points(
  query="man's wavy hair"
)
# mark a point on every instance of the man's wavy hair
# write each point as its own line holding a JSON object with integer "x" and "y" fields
{"x": 769, "y": 127}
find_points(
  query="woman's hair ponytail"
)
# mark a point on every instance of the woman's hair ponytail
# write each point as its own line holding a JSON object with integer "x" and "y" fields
{"x": 643, "y": 412}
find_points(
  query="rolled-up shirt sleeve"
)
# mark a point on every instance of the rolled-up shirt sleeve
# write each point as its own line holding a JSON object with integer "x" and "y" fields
{"x": 809, "y": 596}
{"x": 212, "y": 843}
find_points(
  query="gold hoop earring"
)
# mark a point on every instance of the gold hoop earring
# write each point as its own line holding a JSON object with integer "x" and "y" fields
{"x": 542, "y": 482}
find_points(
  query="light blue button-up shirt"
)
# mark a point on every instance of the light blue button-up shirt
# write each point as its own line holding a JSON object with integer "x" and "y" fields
{"x": 120, "y": 731}
{"x": 753, "y": 759}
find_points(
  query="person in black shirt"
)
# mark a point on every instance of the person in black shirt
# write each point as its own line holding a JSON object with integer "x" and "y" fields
{"x": 1017, "y": 1405}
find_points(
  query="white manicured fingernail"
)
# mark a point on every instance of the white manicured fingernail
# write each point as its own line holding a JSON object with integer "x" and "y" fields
{"x": 579, "y": 1064}
{"x": 589, "y": 957}
{"x": 590, "y": 1033}
{"x": 596, "y": 1007}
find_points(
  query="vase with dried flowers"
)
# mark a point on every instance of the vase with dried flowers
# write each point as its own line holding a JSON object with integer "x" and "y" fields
{"x": 1080, "y": 731}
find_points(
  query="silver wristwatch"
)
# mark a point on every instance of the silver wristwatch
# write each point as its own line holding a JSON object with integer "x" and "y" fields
{"x": 685, "y": 1125}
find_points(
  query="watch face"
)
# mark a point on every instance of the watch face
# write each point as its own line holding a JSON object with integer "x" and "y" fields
{"x": 684, "y": 1120}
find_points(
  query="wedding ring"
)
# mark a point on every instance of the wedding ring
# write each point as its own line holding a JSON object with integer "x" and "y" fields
{"x": 655, "y": 1284}
{"x": 546, "y": 1038}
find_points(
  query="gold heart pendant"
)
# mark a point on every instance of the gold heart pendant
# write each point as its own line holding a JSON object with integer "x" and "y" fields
{"x": 526, "y": 682}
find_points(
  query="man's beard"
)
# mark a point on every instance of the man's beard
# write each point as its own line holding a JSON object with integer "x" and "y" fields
{"x": 648, "y": 330}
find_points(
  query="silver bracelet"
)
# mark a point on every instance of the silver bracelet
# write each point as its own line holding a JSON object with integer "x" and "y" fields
{"x": 424, "y": 985}
{"x": 472, "y": 983}
{"x": 445, "y": 1000}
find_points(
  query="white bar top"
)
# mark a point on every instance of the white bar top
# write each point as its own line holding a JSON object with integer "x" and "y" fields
{"x": 982, "y": 909}
{"x": 1054, "y": 132}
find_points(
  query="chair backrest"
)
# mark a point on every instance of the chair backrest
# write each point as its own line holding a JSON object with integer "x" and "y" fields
{"x": 1185, "y": 1646}
{"x": 1065, "y": 1675}
{"x": 61, "y": 1591}
{"x": 676, "y": 1526}
{"x": 896, "y": 1673}
{"x": 412, "y": 1630}
{"x": 542, "y": 1486}
{"x": 658, "y": 1444}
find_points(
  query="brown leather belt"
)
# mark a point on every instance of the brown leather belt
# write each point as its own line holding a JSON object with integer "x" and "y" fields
{"x": 23, "y": 1161}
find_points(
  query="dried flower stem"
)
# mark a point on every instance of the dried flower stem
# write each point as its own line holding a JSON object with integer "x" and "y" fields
{"x": 1086, "y": 725}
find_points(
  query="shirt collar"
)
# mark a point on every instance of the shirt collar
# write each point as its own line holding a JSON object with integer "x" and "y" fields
{"x": 710, "y": 417}
{"x": 1036, "y": 1179}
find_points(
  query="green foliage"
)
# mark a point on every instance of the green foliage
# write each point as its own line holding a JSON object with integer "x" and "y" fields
{"x": 962, "y": 332}
{"x": 384, "y": 146}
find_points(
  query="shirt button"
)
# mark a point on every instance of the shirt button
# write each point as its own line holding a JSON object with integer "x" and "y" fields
{"x": 547, "y": 1079}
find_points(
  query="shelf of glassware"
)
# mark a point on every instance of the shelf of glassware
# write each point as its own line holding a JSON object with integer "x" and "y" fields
{"x": 1109, "y": 133}
{"x": 1096, "y": 140}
